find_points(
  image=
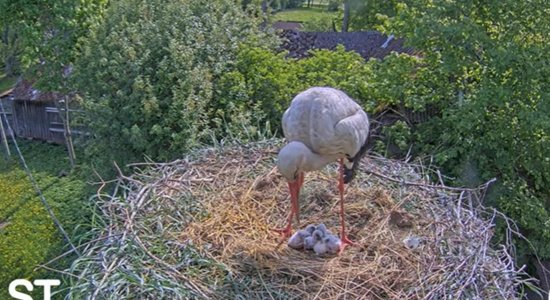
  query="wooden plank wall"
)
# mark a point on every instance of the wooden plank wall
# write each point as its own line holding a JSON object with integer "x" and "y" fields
{"x": 32, "y": 121}
{"x": 39, "y": 120}
{"x": 8, "y": 113}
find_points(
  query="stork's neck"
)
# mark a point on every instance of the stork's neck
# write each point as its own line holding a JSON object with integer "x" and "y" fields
{"x": 314, "y": 161}
{"x": 296, "y": 156}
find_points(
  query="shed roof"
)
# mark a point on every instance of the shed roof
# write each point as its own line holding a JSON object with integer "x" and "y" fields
{"x": 25, "y": 91}
{"x": 367, "y": 43}
{"x": 6, "y": 93}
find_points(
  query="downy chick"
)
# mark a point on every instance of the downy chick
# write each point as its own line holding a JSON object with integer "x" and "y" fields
{"x": 311, "y": 240}
{"x": 332, "y": 244}
{"x": 319, "y": 246}
{"x": 297, "y": 240}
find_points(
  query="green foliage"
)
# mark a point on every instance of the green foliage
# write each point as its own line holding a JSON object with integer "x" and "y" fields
{"x": 318, "y": 24}
{"x": 257, "y": 90}
{"x": 370, "y": 15}
{"x": 264, "y": 83}
{"x": 6, "y": 82}
{"x": 48, "y": 33}
{"x": 334, "y": 5}
{"x": 341, "y": 69}
{"x": 147, "y": 76}
{"x": 397, "y": 139}
{"x": 403, "y": 80}
{"x": 493, "y": 58}
{"x": 10, "y": 50}
{"x": 521, "y": 203}
{"x": 28, "y": 236}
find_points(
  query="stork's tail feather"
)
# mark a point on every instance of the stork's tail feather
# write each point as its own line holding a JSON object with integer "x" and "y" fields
{"x": 349, "y": 173}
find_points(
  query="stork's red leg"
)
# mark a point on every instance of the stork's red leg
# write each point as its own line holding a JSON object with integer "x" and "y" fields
{"x": 296, "y": 204}
{"x": 287, "y": 230}
{"x": 294, "y": 188}
{"x": 343, "y": 236}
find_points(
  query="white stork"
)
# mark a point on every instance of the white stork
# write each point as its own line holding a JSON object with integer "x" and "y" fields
{"x": 322, "y": 125}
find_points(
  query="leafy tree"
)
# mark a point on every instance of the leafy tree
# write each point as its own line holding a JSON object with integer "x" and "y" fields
{"x": 333, "y": 5}
{"x": 494, "y": 57}
{"x": 369, "y": 15}
{"x": 48, "y": 33}
{"x": 10, "y": 51}
{"x": 148, "y": 76}
{"x": 366, "y": 15}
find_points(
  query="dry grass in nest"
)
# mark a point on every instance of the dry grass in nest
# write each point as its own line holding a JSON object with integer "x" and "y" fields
{"x": 201, "y": 228}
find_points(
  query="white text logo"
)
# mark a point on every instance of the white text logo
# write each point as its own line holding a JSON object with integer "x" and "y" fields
{"x": 46, "y": 283}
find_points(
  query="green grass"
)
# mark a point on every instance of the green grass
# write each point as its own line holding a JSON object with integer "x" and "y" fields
{"x": 28, "y": 236}
{"x": 303, "y": 14}
{"x": 6, "y": 82}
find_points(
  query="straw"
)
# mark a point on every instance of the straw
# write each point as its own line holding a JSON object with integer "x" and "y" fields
{"x": 201, "y": 228}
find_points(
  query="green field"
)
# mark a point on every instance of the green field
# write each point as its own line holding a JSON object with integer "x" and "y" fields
{"x": 303, "y": 14}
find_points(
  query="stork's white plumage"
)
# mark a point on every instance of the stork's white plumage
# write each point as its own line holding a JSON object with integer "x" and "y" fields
{"x": 322, "y": 125}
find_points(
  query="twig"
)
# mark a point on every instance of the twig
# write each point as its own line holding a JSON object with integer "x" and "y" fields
{"x": 426, "y": 185}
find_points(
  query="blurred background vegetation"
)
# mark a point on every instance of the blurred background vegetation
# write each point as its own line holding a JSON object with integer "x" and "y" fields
{"x": 157, "y": 78}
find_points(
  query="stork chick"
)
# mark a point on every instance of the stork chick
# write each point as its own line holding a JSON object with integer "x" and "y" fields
{"x": 320, "y": 248}
{"x": 297, "y": 240}
{"x": 311, "y": 240}
{"x": 332, "y": 243}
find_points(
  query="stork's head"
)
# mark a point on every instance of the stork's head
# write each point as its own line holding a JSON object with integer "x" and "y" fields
{"x": 290, "y": 161}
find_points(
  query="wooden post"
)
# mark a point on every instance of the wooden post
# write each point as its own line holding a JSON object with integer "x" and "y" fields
{"x": 2, "y": 131}
{"x": 67, "y": 129}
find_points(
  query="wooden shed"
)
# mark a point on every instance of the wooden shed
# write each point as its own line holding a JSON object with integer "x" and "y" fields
{"x": 34, "y": 114}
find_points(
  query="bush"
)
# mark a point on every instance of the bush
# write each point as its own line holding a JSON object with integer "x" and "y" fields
{"x": 147, "y": 76}
{"x": 257, "y": 91}
{"x": 318, "y": 24}
{"x": 263, "y": 82}
{"x": 338, "y": 68}
{"x": 495, "y": 119}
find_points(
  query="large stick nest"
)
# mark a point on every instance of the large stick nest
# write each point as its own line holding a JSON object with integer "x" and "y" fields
{"x": 201, "y": 228}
